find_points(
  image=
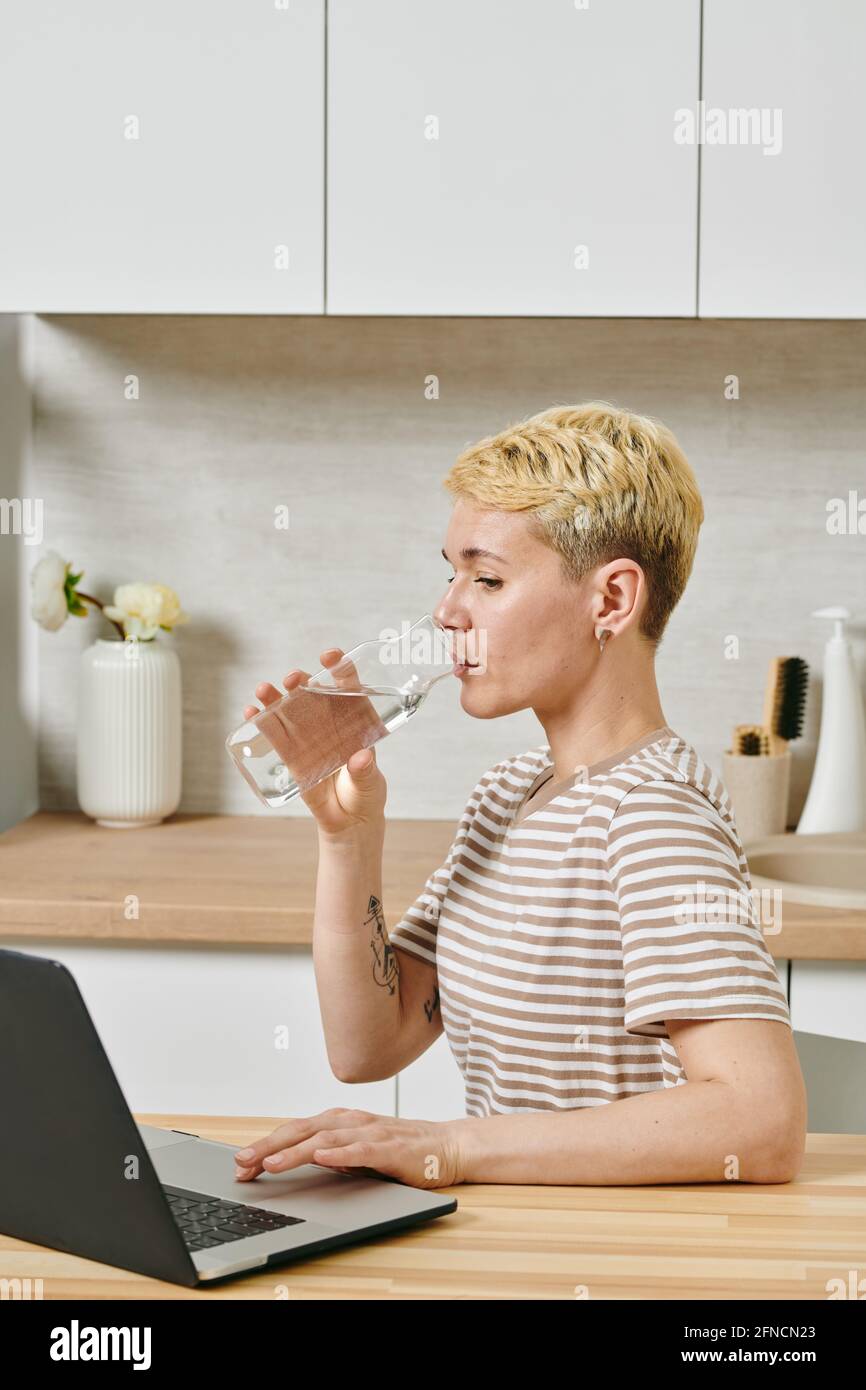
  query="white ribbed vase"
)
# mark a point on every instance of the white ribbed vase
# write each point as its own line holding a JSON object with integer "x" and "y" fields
{"x": 129, "y": 732}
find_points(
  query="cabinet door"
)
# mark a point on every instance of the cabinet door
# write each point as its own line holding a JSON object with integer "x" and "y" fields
{"x": 161, "y": 157}
{"x": 431, "y": 1087}
{"x": 829, "y": 997}
{"x": 502, "y": 157}
{"x": 783, "y": 218}
{"x": 193, "y": 1031}
{"x": 828, "y": 1013}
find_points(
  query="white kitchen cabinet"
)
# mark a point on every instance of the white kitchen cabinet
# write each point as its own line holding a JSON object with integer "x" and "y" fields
{"x": 211, "y": 1032}
{"x": 828, "y": 1013}
{"x": 162, "y": 158}
{"x": 431, "y": 1087}
{"x": 506, "y": 158}
{"x": 829, "y": 997}
{"x": 782, "y": 233}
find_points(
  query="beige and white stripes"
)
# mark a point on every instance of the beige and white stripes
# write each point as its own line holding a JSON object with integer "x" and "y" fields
{"x": 565, "y": 929}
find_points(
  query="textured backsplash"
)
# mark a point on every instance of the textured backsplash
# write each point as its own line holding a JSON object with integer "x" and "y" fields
{"x": 332, "y": 419}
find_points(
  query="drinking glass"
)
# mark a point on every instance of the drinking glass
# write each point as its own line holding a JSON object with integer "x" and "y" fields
{"x": 373, "y": 690}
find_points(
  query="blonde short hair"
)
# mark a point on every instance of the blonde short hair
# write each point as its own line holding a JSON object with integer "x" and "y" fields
{"x": 600, "y": 483}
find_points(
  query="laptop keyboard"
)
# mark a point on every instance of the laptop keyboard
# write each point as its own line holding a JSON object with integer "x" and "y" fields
{"x": 205, "y": 1221}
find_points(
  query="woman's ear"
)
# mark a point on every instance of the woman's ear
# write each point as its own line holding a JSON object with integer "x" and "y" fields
{"x": 619, "y": 587}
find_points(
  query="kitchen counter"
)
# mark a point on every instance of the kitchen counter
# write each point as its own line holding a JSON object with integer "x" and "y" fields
{"x": 211, "y": 880}
{"x": 695, "y": 1241}
{"x": 250, "y": 880}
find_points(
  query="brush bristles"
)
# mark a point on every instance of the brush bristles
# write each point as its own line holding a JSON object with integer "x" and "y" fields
{"x": 751, "y": 740}
{"x": 789, "y": 702}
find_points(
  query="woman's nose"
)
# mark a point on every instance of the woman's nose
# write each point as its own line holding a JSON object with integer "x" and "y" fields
{"x": 443, "y": 612}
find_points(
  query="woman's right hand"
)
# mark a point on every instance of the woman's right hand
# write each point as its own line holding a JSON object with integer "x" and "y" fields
{"x": 353, "y": 797}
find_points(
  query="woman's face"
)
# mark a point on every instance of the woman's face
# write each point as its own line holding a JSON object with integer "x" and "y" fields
{"x": 515, "y": 613}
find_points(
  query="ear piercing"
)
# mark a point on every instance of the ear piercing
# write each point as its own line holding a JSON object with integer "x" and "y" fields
{"x": 602, "y": 636}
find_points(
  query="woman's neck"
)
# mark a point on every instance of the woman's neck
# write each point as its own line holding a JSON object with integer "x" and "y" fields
{"x": 615, "y": 707}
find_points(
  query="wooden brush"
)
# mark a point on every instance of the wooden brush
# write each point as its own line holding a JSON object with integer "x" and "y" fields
{"x": 750, "y": 740}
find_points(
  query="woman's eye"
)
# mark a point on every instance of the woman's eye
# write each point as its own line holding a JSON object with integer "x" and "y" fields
{"x": 490, "y": 583}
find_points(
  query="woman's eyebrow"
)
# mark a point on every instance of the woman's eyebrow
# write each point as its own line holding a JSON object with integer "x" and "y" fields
{"x": 472, "y": 552}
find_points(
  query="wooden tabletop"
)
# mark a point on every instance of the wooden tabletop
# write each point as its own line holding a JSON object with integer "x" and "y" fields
{"x": 250, "y": 880}
{"x": 695, "y": 1241}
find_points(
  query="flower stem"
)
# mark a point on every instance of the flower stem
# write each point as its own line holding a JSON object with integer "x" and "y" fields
{"x": 88, "y": 598}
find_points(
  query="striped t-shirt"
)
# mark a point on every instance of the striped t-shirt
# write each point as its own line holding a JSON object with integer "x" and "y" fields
{"x": 565, "y": 929}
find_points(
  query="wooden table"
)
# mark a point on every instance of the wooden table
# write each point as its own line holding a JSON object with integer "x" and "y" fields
{"x": 695, "y": 1241}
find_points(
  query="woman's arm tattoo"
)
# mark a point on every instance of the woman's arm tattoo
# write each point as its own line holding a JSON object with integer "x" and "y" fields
{"x": 431, "y": 1005}
{"x": 386, "y": 972}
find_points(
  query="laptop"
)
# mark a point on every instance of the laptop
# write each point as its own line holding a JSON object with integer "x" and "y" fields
{"x": 77, "y": 1172}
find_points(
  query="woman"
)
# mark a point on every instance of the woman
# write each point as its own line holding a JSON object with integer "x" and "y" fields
{"x": 611, "y": 1027}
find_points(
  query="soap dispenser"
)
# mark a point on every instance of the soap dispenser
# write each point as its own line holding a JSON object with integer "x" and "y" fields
{"x": 837, "y": 793}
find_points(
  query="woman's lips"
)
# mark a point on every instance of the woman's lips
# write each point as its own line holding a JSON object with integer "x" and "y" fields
{"x": 461, "y": 667}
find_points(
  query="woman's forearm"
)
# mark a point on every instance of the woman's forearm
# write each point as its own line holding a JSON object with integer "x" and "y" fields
{"x": 702, "y": 1131}
{"x": 356, "y": 969}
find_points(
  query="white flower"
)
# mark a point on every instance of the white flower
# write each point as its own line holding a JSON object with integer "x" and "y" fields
{"x": 145, "y": 608}
{"x": 48, "y": 580}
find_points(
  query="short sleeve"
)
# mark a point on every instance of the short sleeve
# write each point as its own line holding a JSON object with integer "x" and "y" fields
{"x": 416, "y": 932}
{"x": 692, "y": 943}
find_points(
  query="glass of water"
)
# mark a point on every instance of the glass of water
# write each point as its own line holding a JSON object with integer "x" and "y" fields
{"x": 374, "y": 689}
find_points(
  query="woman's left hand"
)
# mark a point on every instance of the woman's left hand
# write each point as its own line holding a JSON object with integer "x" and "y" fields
{"x": 422, "y": 1153}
